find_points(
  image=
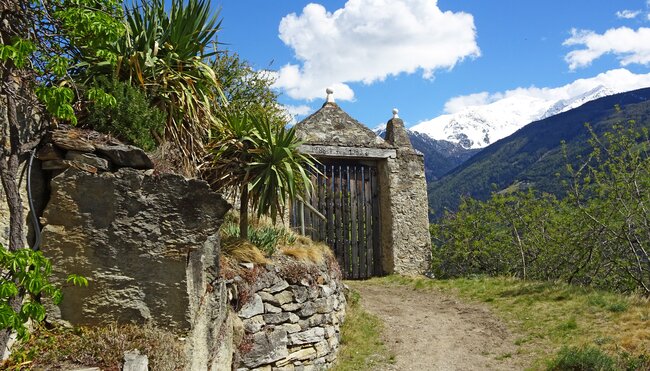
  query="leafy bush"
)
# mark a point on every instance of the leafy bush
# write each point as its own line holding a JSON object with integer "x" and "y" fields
{"x": 24, "y": 281}
{"x": 598, "y": 235}
{"x": 581, "y": 359}
{"x": 131, "y": 118}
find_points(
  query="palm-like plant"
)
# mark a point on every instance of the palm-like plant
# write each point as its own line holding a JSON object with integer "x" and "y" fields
{"x": 167, "y": 53}
{"x": 260, "y": 159}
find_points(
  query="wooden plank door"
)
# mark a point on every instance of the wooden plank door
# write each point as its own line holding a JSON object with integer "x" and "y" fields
{"x": 347, "y": 196}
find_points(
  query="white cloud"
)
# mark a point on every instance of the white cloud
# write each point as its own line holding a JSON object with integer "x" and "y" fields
{"x": 459, "y": 103}
{"x": 369, "y": 40}
{"x": 618, "y": 80}
{"x": 628, "y": 45}
{"x": 628, "y": 14}
{"x": 296, "y": 111}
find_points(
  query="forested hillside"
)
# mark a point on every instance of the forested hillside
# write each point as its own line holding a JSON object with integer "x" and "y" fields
{"x": 533, "y": 156}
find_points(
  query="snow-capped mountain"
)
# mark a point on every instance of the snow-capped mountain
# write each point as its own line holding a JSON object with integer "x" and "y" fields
{"x": 575, "y": 102}
{"x": 480, "y": 126}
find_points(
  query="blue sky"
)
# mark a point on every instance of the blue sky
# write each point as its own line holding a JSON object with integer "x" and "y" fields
{"x": 430, "y": 57}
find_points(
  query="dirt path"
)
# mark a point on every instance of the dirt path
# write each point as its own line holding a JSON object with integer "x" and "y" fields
{"x": 428, "y": 330}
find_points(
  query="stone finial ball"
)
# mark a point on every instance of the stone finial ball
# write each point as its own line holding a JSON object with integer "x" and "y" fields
{"x": 329, "y": 91}
{"x": 395, "y": 111}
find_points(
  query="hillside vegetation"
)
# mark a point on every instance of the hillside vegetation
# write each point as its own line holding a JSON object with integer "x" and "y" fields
{"x": 533, "y": 156}
{"x": 598, "y": 235}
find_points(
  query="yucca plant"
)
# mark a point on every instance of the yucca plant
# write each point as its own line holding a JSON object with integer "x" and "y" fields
{"x": 259, "y": 158}
{"x": 167, "y": 53}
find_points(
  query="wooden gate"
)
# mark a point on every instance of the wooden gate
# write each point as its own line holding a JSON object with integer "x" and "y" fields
{"x": 343, "y": 211}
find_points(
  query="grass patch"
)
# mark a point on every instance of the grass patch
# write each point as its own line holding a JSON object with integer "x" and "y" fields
{"x": 550, "y": 317}
{"x": 587, "y": 358}
{"x": 103, "y": 347}
{"x": 361, "y": 345}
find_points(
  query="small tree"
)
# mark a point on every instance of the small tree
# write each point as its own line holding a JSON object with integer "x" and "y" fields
{"x": 259, "y": 159}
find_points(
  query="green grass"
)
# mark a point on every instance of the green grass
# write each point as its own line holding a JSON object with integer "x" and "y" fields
{"x": 548, "y": 317}
{"x": 361, "y": 345}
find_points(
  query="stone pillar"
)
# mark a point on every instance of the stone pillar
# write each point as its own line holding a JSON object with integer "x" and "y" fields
{"x": 407, "y": 209}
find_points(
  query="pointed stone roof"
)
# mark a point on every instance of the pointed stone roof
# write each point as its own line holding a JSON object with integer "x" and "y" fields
{"x": 331, "y": 126}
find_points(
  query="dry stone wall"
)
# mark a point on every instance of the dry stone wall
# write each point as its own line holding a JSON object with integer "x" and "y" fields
{"x": 291, "y": 316}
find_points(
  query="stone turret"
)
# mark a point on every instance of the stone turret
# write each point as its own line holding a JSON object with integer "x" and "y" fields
{"x": 396, "y": 133}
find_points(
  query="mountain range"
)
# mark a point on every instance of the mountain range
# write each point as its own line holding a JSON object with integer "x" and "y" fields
{"x": 440, "y": 156}
{"x": 532, "y": 156}
{"x": 479, "y": 126}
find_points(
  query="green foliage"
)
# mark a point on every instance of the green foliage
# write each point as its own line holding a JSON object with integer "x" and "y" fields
{"x": 252, "y": 153}
{"x": 130, "y": 117}
{"x": 24, "y": 281}
{"x": 65, "y": 37}
{"x": 246, "y": 88}
{"x": 596, "y": 236}
{"x": 266, "y": 237}
{"x": 582, "y": 359}
{"x": 167, "y": 52}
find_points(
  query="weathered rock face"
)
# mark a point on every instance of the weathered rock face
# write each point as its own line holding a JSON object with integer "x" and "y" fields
{"x": 133, "y": 236}
{"x": 149, "y": 246}
{"x": 292, "y": 316}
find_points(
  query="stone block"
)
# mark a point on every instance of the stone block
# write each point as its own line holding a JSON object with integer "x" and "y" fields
{"x": 278, "y": 318}
{"x": 88, "y": 159}
{"x": 284, "y": 297}
{"x": 268, "y": 298}
{"x": 123, "y": 155}
{"x": 268, "y": 308}
{"x": 254, "y": 324}
{"x": 301, "y": 294}
{"x": 299, "y": 355}
{"x": 268, "y": 346}
{"x": 134, "y": 361}
{"x": 109, "y": 227}
{"x": 49, "y": 152}
{"x": 69, "y": 140}
{"x": 291, "y": 327}
{"x": 291, "y": 307}
{"x": 312, "y": 335}
{"x": 254, "y": 307}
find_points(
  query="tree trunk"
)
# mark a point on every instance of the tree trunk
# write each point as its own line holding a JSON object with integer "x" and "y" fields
{"x": 243, "y": 212}
{"x": 13, "y": 145}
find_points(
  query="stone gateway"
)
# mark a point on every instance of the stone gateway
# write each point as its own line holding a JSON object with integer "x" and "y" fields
{"x": 370, "y": 199}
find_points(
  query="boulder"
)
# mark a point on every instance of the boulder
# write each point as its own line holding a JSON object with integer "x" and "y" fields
{"x": 124, "y": 155}
{"x": 88, "y": 159}
{"x": 72, "y": 141}
{"x": 148, "y": 245}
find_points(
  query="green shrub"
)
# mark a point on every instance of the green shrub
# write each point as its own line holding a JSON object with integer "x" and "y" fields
{"x": 25, "y": 280}
{"x": 266, "y": 238}
{"x": 581, "y": 359}
{"x": 596, "y": 236}
{"x": 131, "y": 119}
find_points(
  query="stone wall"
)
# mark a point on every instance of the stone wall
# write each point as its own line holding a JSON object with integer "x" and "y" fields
{"x": 405, "y": 231}
{"x": 291, "y": 314}
{"x": 147, "y": 242}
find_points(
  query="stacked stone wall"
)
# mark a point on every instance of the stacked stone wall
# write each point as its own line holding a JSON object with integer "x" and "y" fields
{"x": 292, "y": 315}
